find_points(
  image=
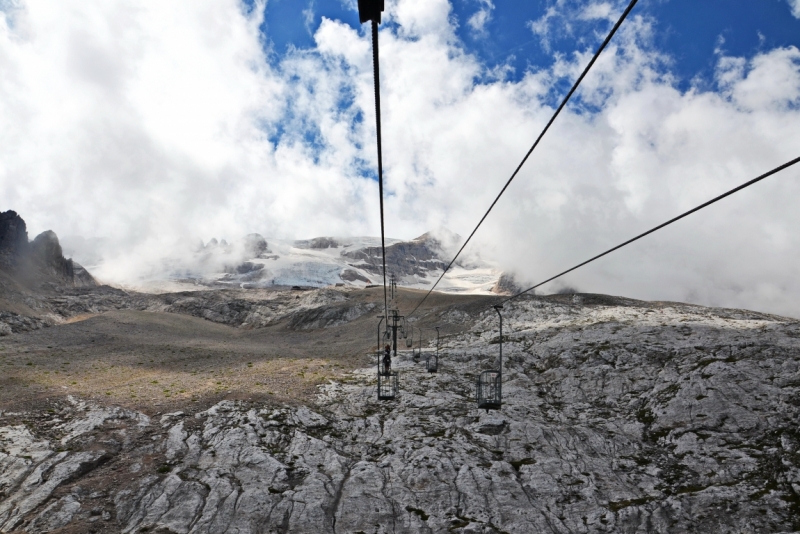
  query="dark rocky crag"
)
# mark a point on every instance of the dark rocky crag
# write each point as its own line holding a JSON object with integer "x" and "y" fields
{"x": 37, "y": 262}
{"x": 255, "y": 245}
{"x": 409, "y": 258}
{"x": 318, "y": 243}
{"x": 506, "y": 285}
{"x": 13, "y": 238}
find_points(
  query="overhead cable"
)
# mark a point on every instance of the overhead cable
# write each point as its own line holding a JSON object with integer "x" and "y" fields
{"x": 660, "y": 226}
{"x": 376, "y": 75}
{"x": 535, "y": 144}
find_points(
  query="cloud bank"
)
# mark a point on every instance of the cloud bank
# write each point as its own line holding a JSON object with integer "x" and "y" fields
{"x": 158, "y": 125}
{"x": 795, "y": 5}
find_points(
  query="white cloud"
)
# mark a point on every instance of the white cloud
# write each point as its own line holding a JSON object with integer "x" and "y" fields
{"x": 650, "y": 154}
{"x": 308, "y": 16}
{"x": 769, "y": 80}
{"x": 541, "y": 27}
{"x": 160, "y": 124}
{"x": 795, "y": 5}
{"x": 570, "y": 18}
{"x": 597, "y": 11}
{"x": 481, "y": 17}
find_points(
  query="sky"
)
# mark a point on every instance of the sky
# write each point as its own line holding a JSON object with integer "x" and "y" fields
{"x": 158, "y": 125}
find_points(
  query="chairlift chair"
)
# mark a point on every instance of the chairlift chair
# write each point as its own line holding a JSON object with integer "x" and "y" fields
{"x": 388, "y": 381}
{"x": 432, "y": 363}
{"x": 489, "y": 388}
{"x": 388, "y": 384}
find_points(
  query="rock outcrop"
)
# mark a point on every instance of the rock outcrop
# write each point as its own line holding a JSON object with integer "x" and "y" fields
{"x": 39, "y": 261}
{"x": 618, "y": 416}
{"x": 407, "y": 258}
{"x": 255, "y": 245}
{"x": 318, "y": 243}
{"x": 506, "y": 285}
{"x": 13, "y": 238}
{"x": 46, "y": 252}
{"x": 350, "y": 275}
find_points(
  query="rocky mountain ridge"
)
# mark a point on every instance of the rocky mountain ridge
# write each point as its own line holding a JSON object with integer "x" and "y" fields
{"x": 257, "y": 262}
{"x": 326, "y": 261}
{"x": 38, "y": 261}
{"x": 618, "y": 416}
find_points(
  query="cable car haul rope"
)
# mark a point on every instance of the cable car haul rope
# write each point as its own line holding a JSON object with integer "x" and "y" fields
{"x": 370, "y": 10}
{"x": 488, "y": 392}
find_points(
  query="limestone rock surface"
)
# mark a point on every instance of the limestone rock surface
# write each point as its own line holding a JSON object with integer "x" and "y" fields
{"x": 618, "y": 416}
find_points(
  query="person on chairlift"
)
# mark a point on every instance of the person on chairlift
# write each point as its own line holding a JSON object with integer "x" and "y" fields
{"x": 387, "y": 359}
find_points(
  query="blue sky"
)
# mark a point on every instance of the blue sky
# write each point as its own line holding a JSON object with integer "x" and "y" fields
{"x": 691, "y": 32}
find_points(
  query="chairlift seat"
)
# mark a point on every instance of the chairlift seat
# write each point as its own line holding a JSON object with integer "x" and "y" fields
{"x": 388, "y": 385}
{"x": 489, "y": 392}
{"x": 432, "y": 363}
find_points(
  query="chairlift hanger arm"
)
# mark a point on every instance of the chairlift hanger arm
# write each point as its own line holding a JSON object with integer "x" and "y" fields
{"x": 370, "y": 10}
{"x": 497, "y": 308}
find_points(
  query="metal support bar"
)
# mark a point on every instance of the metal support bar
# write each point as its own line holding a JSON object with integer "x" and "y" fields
{"x": 497, "y": 309}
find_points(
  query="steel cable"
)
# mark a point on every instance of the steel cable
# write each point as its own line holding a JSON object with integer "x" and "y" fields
{"x": 376, "y": 75}
{"x": 535, "y": 144}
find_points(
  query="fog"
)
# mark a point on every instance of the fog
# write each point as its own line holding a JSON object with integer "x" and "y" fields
{"x": 145, "y": 127}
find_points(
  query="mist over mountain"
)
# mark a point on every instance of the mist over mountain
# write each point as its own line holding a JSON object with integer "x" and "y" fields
{"x": 255, "y": 261}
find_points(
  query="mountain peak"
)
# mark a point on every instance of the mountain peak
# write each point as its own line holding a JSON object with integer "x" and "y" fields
{"x": 41, "y": 260}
